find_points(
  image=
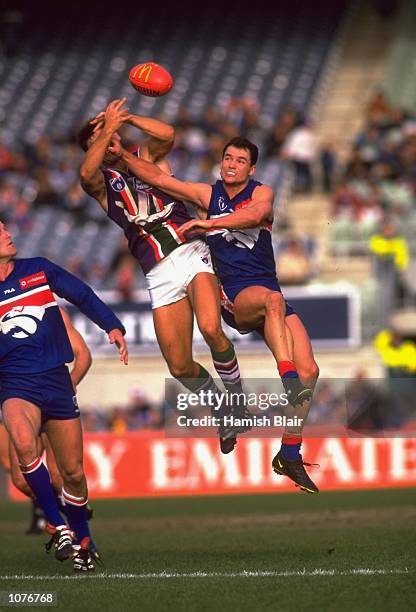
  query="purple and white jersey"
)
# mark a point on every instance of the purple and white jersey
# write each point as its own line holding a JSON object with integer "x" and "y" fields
{"x": 149, "y": 217}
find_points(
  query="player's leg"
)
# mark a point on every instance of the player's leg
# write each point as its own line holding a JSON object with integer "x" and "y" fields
{"x": 288, "y": 460}
{"x": 22, "y": 420}
{"x": 38, "y": 521}
{"x": 204, "y": 295}
{"x": 65, "y": 437}
{"x": 4, "y": 448}
{"x": 54, "y": 472}
{"x": 174, "y": 328}
{"x": 261, "y": 307}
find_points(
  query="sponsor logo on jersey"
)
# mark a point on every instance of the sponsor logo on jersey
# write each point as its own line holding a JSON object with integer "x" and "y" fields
{"x": 6, "y": 291}
{"x": 21, "y": 321}
{"x": 138, "y": 185}
{"x": 117, "y": 183}
{"x": 31, "y": 281}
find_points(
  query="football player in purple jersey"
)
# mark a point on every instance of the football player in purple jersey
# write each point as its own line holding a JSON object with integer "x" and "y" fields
{"x": 178, "y": 269}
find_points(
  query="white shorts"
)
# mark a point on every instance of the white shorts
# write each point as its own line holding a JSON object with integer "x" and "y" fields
{"x": 168, "y": 281}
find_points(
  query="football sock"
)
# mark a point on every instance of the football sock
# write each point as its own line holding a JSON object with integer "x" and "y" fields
{"x": 291, "y": 446}
{"x": 287, "y": 369}
{"x": 76, "y": 512}
{"x": 226, "y": 365}
{"x": 203, "y": 382}
{"x": 37, "y": 477}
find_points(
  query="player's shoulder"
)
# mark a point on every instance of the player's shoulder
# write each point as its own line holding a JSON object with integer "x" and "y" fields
{"x": 34, "y": 262}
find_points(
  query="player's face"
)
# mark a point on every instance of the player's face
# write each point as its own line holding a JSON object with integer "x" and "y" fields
{"x": 236, "y": 166}
{"x": 109, "y": 158}
{"x": 7, "y": 248}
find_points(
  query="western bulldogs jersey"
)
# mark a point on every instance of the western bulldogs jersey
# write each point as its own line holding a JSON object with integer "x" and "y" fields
{"x": 243, "y": 253}
{"x": 33, "y": 336}
{"x": 149, "y": 217}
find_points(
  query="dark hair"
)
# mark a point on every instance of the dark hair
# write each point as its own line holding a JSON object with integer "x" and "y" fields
{"x": 243, "y": 143}
{"x": 84, "y": 134}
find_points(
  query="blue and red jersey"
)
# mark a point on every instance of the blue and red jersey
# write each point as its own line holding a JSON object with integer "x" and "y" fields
{"x": 33, "y": 336}
{"x": 243, "y": 254}
{"x": 149, "y": 217}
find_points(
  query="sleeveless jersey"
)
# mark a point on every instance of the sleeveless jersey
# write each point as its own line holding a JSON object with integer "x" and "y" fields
{"x": 242, "y": 254}
{"x": 149, "y": 217}
{"x": 33, "y": 337}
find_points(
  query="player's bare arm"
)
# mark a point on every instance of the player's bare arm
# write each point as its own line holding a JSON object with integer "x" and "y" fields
{"x": 91, "y": 177}
{"x": 197, "y": 193}
{"x": 257, "y": 212}
{"x": 82, "y": 355}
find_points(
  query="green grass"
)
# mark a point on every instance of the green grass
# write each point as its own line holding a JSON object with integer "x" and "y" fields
{"x": 333, "y": 531}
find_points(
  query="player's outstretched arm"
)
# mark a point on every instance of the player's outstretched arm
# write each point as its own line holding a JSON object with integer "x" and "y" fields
{"x": 198, "y": 194}
{"x": 82, "y": 355}
{"x": 254, "y": 214}
{"x": 91, "y": 178}
{"x": 160, "y": 139}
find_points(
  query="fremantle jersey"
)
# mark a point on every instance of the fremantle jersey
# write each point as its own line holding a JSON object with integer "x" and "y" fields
{"x": 149, "y": 217}
{"x": 33, "y": 336}
{"x": 244, "y": 254}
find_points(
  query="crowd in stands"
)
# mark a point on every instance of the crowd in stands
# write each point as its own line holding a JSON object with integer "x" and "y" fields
{"x": 379, "y": 179}
{"x": 45, "y": 173}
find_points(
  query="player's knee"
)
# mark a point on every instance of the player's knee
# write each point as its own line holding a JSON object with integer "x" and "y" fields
{"x": 181, "y": 370}
{"x": 212, "y": 332}
{"x": 309, "y": 372}
{"x": 73, "y": 476}
{"x": 26, "y": 453}
{"x": 274, "y": 303}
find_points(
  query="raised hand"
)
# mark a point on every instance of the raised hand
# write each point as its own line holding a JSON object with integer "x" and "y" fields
{"x": 115, "y": 115}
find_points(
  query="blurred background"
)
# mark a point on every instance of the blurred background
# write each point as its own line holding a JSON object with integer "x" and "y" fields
{"x": 328, "y": 92}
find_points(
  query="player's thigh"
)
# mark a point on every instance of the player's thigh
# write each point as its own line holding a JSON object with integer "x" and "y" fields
{"x": 204, "y": 295}
{"x": 302, "y": 350}
{"x": 174, "y": 327}
{"x": 4, "y": 446}
{"x": 65, "y": 437}
{"x": 22, "y": 420}
{"x": 250, "y": 306}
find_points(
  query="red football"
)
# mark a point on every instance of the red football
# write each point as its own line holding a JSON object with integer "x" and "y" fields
{"x": 150, "y": 79}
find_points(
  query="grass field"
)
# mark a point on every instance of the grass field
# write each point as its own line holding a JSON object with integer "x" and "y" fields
{"x": 334, "y": 551}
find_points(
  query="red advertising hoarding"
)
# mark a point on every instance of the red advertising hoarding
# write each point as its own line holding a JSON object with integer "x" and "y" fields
{"x": 142, "y": 464}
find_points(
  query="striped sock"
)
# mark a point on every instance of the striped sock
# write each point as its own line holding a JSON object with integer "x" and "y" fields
{"x": 203, "y": 382}
{"x": 226, "y": 365}
{"x": 76, "y": 512}
{"x": 37, "y": 477}
{"x": 291, "y": 444}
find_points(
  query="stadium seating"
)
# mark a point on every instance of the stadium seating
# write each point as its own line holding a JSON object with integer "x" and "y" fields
{"x": 60, "y": 77}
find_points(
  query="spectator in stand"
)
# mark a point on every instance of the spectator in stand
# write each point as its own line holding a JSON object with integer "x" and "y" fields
{"x": 274, "y": 142}
{"x": 140, "y": 412}
{"x": 391, "y": 258}
{"x": 301, "y": 149}
{"x": 293, "y": 263}
{"x": 125, "y": 278}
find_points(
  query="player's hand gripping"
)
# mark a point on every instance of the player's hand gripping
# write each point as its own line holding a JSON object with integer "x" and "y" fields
{"x": 115, "y": 115}
{"x": 197, "y": 226}
{"x": 116, "y": 337}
